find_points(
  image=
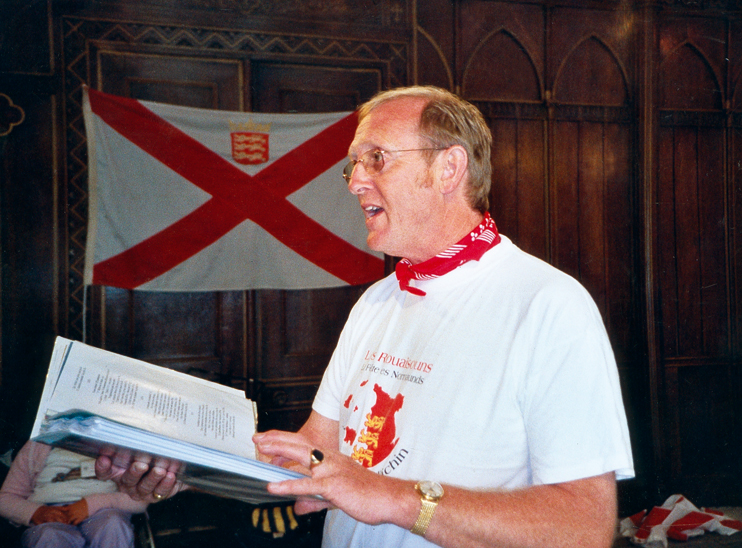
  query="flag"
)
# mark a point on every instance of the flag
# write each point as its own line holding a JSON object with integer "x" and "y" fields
{"x": 676, "y": 519}
{"x": 186, "y": 199}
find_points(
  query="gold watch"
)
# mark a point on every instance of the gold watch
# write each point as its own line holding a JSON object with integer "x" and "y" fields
{"x": 431, "y": 493}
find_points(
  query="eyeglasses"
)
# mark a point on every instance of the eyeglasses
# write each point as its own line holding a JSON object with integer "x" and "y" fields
{"x": 373, "y": 161}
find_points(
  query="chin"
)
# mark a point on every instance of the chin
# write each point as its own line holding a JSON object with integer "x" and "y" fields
{"x": 381, "y": 241}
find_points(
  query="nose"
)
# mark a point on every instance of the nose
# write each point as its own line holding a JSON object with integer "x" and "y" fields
{"x": 360, "y": 181}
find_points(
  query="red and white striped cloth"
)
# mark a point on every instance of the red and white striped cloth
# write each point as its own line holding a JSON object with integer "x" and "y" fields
{"x": 470, "y": 248}
{"x": 677, "y": 519}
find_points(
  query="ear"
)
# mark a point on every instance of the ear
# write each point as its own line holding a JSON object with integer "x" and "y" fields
{"x": 453, "y": 165}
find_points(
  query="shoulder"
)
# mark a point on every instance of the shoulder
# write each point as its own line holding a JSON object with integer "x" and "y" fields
{"x": 34, "y": 451}
{"x": 513, "y": 266}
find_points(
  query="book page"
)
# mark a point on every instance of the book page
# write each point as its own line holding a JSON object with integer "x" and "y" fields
{"x": 146, "y": 396}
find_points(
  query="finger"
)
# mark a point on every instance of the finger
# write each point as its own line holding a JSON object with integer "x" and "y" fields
{"x": 133, "y": 474}
{"x": 278, "y": 436}
{"x": 175, "y": 467}
{"x": 300, "y": 487}
{"x": 165, "y": 487}
{"x": 107, "y": 451}
{"x": 103, "y": 468}
{"x": 309, "y": 506}
{"x": 122, "y": 458}
{"x": 57, "y": 515}
{"x": 76, "y": 520}
{"x": 160, "y": 462}
{"x": 290, "y": 447}
{"x": 289, "y": 464}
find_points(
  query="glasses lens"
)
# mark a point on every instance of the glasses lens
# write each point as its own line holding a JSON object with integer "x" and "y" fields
{"x": 348, "y": 171}
{"x": 374, "y": 161}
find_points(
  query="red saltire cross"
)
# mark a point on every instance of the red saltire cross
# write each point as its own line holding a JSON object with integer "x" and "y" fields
{"x": 235, "y": 197}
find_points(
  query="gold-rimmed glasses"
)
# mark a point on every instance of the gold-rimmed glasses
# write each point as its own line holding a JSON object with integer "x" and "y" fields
{"x": 373, "y": 160}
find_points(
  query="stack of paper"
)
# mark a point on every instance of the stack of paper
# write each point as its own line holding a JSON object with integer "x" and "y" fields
{"x": 97, "y": 402}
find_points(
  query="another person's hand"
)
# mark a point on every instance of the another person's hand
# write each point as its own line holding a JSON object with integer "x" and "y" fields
{"x": 48, "y": 514}
{"x": 76, "y": 512}
{"x": 140, "y": 476}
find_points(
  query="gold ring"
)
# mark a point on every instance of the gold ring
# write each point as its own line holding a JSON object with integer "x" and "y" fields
{"x": 158, "y": 497}
{"x": 316, "y": 457}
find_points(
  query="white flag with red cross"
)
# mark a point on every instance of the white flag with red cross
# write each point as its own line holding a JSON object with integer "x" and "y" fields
{"x": 186, "y": 199}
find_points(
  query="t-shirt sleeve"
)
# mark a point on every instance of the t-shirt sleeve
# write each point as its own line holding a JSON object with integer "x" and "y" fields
{"x": 572, "y": 403}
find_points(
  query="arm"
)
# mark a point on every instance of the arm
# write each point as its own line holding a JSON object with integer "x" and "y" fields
{"x": 19, "y": 484}
{"x": 575, "y": 513}
{"x": 118, "y": 500}
{"x": 581, "y": 512}
{"x": 79, "y": 511}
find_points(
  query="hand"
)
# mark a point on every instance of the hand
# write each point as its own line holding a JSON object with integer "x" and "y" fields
{"x": 48, "y": 514}
{"x": 339, "y": 480}
{"x": 140, "y": 476}
{"x": 77, "y": 512}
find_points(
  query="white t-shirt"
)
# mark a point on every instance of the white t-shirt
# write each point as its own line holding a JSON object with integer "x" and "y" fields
{"x": 501, "y": 376}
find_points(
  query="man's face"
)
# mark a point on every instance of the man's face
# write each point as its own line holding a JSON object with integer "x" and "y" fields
{"x": 400, "y": 203}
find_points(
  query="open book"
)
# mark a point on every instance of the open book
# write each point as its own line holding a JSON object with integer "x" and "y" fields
{"x": 98, "y": 402}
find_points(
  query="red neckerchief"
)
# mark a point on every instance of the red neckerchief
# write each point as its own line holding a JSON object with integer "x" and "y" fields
{"x": 470, "y": 248}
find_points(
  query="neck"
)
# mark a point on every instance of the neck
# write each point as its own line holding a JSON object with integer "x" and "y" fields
{"x": 452, "y": 229}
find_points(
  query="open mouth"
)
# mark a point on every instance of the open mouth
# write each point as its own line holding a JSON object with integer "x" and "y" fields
{"x": 372, "y": 211}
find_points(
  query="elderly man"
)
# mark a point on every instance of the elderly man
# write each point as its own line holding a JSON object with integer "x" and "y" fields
{"x": 473, "y": 397}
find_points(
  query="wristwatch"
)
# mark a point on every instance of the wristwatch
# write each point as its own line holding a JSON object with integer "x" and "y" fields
{"x": 431, "y": 493}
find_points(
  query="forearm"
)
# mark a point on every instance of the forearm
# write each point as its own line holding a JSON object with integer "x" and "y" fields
{"x": 17, "y": 509}
{"x": 118, "y": 500}
{"x": 578, "y": 513}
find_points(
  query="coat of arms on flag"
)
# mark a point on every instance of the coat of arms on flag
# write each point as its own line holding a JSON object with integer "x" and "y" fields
{"x": 185, "y": 199}
{"x": 250, "y": 142}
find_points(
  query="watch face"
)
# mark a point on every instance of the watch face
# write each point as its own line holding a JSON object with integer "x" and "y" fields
{"x": 431, "y": 489}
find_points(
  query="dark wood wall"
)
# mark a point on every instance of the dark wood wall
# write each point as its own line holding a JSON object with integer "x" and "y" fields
{"x": 617, "y": 158}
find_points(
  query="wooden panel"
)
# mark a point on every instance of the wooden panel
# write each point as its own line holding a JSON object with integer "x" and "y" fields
{"x": 30, "y": 313}
{"x": 592, "y": 46}
{"x": 281, "y": 87}
{"x": 668, "y": 313}
{"x": 621, "y": 297}
{"x": 694, "y": 85}
{"x": 519, "y": 27}
{"x": 691, "y": 223}
{"x": 695, "y": 292}
{"x": 26, "y": 37}
{"x": 565, "y": 204}
{"x": 187, "y": 81}
{"x": 591, "y": 220}
{"x": 735, "y": 235}
{"x": 502, "y": 69}
{"x": 591, "y": 75}
{"x": 435, "y": 44}
{"x": 518, "y": 197}
{"x": 188, "y": 332}
{"x": 702, "y": 444}
{"x": 592, "y": 212}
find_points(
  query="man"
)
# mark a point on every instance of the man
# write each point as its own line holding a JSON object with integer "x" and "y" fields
{"x": 476, "y": 366}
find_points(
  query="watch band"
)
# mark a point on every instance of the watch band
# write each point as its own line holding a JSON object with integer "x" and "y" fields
{"x": 423, "y": 520}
